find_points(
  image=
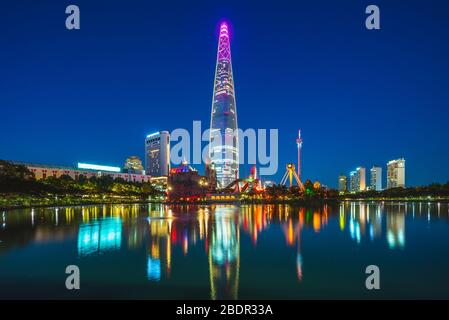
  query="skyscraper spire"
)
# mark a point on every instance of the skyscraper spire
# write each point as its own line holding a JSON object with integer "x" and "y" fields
{"x": 224, "y": 45}
{"x": 224, "y": 136}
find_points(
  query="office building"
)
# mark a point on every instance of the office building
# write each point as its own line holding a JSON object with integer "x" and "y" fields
{"x": 157, "y": 154}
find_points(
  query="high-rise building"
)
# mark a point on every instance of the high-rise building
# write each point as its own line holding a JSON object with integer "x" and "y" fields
{"x": 223, "y": 147}
{"x": 157, "y": 154}
{"x": 376, "y": 178}
{"x": 396, "y": 173}
{"x": 357, "y": 180}
{"x": 361, "y": 178}
{"x": 353, "y": 181}
{"x": 342, "y": 183}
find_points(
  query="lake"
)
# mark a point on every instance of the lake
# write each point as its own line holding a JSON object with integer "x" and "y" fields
{"x": 157, "y": 251}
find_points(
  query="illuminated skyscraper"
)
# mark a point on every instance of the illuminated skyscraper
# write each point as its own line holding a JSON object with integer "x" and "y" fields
{"x": 157, "y": 154}
{"x": 376, "y": 178}
{"x": 396, "y": 173}
{"x": 353, "y": 181}
{"x": 223, "y": 149}
{"x": 342, "y": 183}
{"x": 357, "y": 180}
{"x": 361, "y": 178}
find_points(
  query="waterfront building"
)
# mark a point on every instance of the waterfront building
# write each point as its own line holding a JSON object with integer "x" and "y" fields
{"x": 133, "y": 164}
{"x": 352, "y": 181}
{"x": 357, "y": 180}
{"x": 185, "y": 183}
{"x": 376, "y": 178}
{"x": 396, "y": 173}
{"x": 157, "y": 154}
{"x": 159, "y": 183}
{"x": 223, "y": 147}
{"x": 361, "y": 179}
{"x": 43, "y": 171}
{"x": 342, "y": 183}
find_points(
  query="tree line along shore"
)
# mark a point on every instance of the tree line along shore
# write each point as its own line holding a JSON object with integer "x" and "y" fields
{"x": 20, "y": 189}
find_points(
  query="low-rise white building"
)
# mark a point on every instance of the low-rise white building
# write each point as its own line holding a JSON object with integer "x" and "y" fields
{"x": 42, "y": 171}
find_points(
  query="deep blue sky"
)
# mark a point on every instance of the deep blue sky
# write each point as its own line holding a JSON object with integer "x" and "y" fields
{"x": 360, "y": 97}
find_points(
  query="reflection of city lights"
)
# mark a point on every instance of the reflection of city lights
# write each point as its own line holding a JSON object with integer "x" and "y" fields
{"x": 224, "y": 262}
{"x": 342, "y": 217}
{"x": 153, "y": 269}
{"x": 390, "y": 239}
{"x": 316, "y": 222}
{"x": 401, "y": 238}
{"x": 290, "y": 233}
{"x": 99, "y": 236}
{"x": 357, "y": 232}
{"x": 351, "y": 229}
{"x": 185, "y": 244}
{"x": 299, "y": 266}
{"x": 354, "y": 230}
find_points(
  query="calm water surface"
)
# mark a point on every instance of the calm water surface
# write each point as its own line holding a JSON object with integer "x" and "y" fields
{"x": 226, "y": 251}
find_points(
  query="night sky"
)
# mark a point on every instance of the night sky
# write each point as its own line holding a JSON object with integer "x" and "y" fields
{"x": 360, "y": 97}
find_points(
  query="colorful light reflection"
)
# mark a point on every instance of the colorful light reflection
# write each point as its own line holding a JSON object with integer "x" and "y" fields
{"x": 99, "y": 236}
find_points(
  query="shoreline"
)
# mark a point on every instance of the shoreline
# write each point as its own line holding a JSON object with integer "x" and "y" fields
{"x": 233, "y": 202}
{"x": 209, "y": 202}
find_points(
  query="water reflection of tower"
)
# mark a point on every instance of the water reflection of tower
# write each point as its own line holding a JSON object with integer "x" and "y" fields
{"x": 293, "y": 234}
{"x": 375, "y": 221}
{"x": 299, "y": 260}
{"x": 357, "y": 221}
{"x": 159, "y": 247}
{"x": 224, "y": 254}
{"x": 396, "y": 226}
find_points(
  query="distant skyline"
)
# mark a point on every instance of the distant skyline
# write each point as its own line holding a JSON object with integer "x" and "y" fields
{"x": 360, "y": 98}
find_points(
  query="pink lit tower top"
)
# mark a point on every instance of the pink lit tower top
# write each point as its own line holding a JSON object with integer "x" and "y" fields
{"x": 223, "y": 147}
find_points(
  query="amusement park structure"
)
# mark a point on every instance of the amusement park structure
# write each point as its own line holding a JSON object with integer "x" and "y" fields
{"x": 290, "y": 172}
{"x": 252, "y": 183}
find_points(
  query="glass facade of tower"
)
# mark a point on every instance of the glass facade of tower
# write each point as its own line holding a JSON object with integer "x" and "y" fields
{"x": 223, "y": 149}
{"x": 376, "y": 178}
{"x": 157, "y": 154}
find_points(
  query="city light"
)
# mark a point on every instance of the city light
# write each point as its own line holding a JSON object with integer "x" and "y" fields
{"x": 99, "y": 236}
{"x": 152, "y": 134}
{"x": 97, "y": 167}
